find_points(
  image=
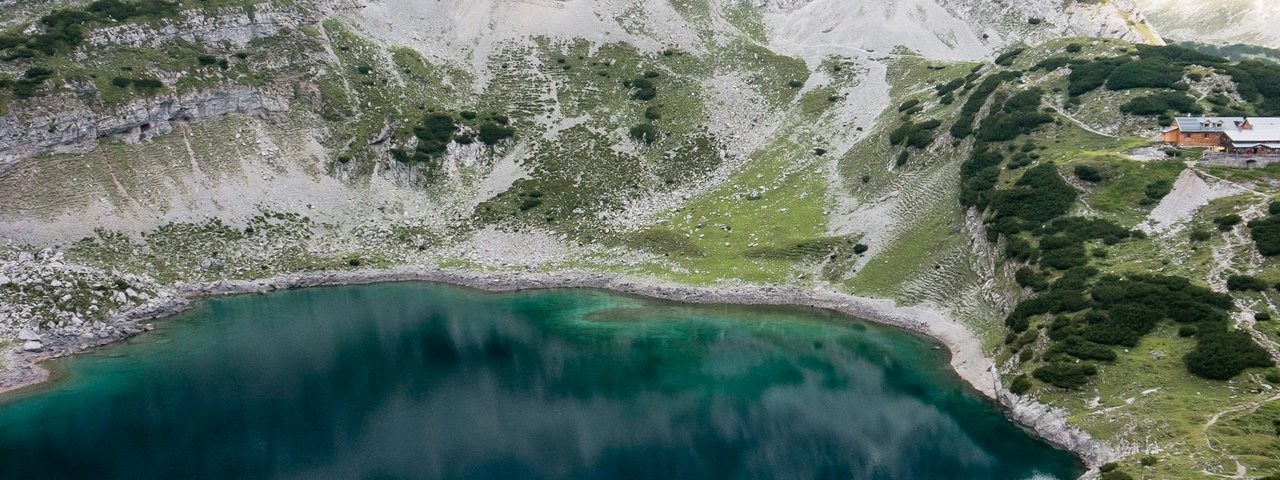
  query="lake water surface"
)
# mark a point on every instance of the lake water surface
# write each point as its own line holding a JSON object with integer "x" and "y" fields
{"x": 429, "y": 381}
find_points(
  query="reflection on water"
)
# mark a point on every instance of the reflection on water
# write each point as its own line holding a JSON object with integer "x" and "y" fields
{"x": 426, "y": 381}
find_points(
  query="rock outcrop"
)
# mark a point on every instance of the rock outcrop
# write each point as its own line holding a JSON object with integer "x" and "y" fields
{"x": 235, "y": 26}
{"x": 68, "y": 124}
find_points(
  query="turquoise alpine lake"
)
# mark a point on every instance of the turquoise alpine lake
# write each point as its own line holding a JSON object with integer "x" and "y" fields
{"x": 415, "y": 380}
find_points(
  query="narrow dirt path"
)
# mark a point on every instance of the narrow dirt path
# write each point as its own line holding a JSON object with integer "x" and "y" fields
{"x": 1238, "y": 243}
{"x": 1241, "y": 471}
{"x": 1079, "y": 123}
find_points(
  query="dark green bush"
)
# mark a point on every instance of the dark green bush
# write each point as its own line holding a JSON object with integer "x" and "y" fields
{"x": 1088, "y": 173}
{"x": 1020, "y": 385}
{"x": 1030, "y": 278}
{"x": 1083, "y": 349}
{"x": 1273, "y": 208}
{"x": 907, "y": 105}
{"x": 1089, "y": 75}
{"x": 1258, "y": 83}
{"x": 1159, "y": 103}
{"x": 1199, "y": 235}
{"x": 1238, "y": 283}
{"x": 147, "y": 84}
{"x": 1266, "y": 235}
{"x": 1155, "y": 191}
{"x": 645, "y": 132}
{"x": 530, "y": 204}
{"x": 1006, "y": 58}
{"x": 491, "y": 133}
{"x": 1145, "y": 74}
{"x": 902, "y": 158}
{"x": 1273, "y": 377}
{"x": 63, "y": 30}
{"x": 949, "y": 87}
{"x": 1019, "y": 249}
{"x": 1222, "y": 355}
{"x": 1073, "y": 48}
{"x": 1039, "y": 196}
{"x": 1227, "y": 221}
{"x": 1052, "y": 63}
{"x": 434, "y": 133}
{"x": 859, "y": 249}
{"x": 1017, "y": 116}
{"x": 969, "y": 111}
{"x": 653, "y": 113}
{"x": 642, "y": 89}
{"x": 1261, "y": 317}
{"x": 1065, "y": 375}
{"x": 917, "y": 135}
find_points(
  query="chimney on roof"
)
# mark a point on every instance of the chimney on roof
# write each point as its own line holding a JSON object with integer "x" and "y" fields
{"x": 1246, "y": 125}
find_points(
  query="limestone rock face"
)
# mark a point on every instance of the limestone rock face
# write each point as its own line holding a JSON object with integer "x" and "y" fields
{"x": 234, "y": 26}
{"x": 68, "y": 124}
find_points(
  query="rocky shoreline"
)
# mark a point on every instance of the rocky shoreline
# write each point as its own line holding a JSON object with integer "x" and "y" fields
{"x": 22, "y": 369}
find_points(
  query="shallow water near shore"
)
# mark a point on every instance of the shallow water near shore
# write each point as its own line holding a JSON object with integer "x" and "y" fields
{"x": 418, "y": 380}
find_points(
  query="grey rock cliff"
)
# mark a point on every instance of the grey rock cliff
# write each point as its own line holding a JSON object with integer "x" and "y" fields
{"x": 234, "y": 26}
{"x": 68, "y": 124}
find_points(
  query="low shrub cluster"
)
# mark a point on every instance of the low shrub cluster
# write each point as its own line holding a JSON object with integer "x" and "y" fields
{"x": 642, "y": 89}
{"x": 1038, "y": 196}
{"x": 1115, "y": 310}
{"x": 644, "y": 132}
{"x": 645, "y": 89}
{"x": 1155, "y": 191}
{"x": 1241, "y": 283}
{"x": 1005, "y": 59}
{"x": 1145, "y": 73}
{"x": 969, "y": 111}
{"x": 917, "y": 135}
{"x": 1221, "y": 355}
{"x": 1160, "y": 103}
{"x": 1266, "y": 234}
{"x": 436, "y": 130}
{"x": 1065, "y": 375}
{"x": 145, "y": 84}
{"x": 1088, "y": 173}
{"x": 1018, "y": 115}
{"x": 1052, "y": 63}
{"x": 949, "y": 87}
{"x": 1154, "y": 67}
{"x": 63, "y": 30}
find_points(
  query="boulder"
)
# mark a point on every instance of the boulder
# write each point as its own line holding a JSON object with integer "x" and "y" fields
{"x": 27, "y": 335}
{"x": 32, "y": 346}
{"x": 212, "y": 264}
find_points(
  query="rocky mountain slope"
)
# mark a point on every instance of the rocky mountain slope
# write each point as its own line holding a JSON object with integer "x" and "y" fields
{"x": 1229, "y": 21}
{"x": 702, "y": 142}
